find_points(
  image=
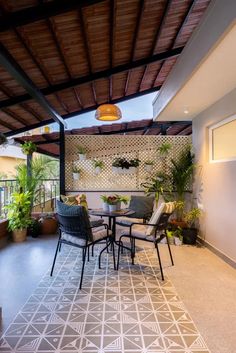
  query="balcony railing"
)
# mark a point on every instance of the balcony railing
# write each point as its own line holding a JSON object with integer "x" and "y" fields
{"x": 47, "y": 192}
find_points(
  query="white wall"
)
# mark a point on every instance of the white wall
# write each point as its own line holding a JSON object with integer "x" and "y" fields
{"x": 218, "y": 191}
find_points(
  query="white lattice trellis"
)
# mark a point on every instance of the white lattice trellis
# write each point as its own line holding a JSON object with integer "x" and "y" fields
{"x": 107, "y": 148}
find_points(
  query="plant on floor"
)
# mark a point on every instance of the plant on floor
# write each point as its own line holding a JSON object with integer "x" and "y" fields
{"x": 18, "y": 214}
{"x": 158, "y": 185}
{"x": 29, "y": 148}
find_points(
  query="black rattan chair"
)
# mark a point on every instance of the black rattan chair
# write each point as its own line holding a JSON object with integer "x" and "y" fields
{"x": 76, "y": 230}
{"x": 153, "y": 232}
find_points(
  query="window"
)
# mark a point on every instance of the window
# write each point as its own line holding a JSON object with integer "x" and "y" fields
{"x": 222, "y": 140}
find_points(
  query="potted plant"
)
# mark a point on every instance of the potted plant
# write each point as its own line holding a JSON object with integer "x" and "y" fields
{"x": 178, "y": 236}
{"x": 18, "y": 215}
{"x": 112, "y": 202}
{"x": 34, "y": 229}
{"x": 148, "y": 166}
{"x": 116, "y": 166}
{"x": 122, "y": 199}
{"x": 29, "y": 148}
{"x": 98, "y": 166}
{"x": 164, "y": 149}
{"x": 82, "y": 152}
{"x": 105, "y": 204}
{"x": 133, "y": 165}
{"x": 76, "y": 173}
{"x": 3, "y": 139}
{"x": 49, "y": 224}
{"x": 190, "y": 232}
{"x": 157, "y": 186}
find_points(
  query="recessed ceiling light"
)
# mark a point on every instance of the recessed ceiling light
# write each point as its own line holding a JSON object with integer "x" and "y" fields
{"x": 186, "y": 111}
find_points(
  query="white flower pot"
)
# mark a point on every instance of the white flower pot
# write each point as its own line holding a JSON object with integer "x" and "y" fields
{"x": 82, "y": 157}
{"x": 178, "y": 241}
{"x": 105, "y": 207}
{"x": 148, "y": 167}
{"x": 112, "y": 208}
{"x": 76, "y": 176}
{"x": 118, "y": 206}
{"x": 98, "y": 170}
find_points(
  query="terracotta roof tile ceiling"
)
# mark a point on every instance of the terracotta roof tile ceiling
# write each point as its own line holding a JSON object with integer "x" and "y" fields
{"x": 49, "y": 143}
{"x": 80, "y": 54}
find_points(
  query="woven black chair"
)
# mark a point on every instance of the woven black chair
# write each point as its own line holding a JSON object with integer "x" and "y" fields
{"x": 76, "y": 230}
{"x": 153, "y": 231}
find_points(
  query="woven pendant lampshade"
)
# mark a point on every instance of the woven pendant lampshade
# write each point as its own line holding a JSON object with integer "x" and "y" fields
{"x": 108, "y": 112}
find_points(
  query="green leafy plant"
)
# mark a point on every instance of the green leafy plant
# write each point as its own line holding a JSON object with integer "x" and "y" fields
{"x": 134, "y": 162}
{"x": 81, "y": 149}
{"x": 124, "y": 199}
{"x": 112, "y": 200}
{"x": 178, "y": 232}
{"x": 191, "y": 216}
{"x": 98, "y": 163}
{"x": 182, "y": 172}
{"x": 28, "y": 147}
{"x": 157, "y": 185}
{"x": 104, "y": 198}
{"x": 18, "y": 211}
{"x": 164, "y": 149}
{"x": 116, "y": 163}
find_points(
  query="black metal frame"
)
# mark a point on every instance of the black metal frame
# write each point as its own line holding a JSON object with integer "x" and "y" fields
{"x": 71, "y": 230}
{"x": 160, "y": 226}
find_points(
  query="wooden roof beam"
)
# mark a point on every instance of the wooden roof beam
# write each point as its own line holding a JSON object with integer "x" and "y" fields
{"x": 41, "y": 12}
{"x": 94, "y": 76}
{"x": 9, "y": 63}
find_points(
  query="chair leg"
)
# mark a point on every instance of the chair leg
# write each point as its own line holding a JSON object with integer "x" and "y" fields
{"x": 114, "y": 256}
{"x": 118, "y": 257}
{"x": 55, "y": 256}
{"x": 88, "y": 253}
{"x": 59, "y": 248}
{"x": 132, "y": 250}
{"x": 99, "y": 258}
{"x": 168, "y": 244}
{"x": 159, "y": 259}
{"x": 93, "y": 250}
{"x": 82, "y": 271}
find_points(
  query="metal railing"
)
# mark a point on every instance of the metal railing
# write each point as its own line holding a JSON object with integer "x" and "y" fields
{"x": 45, "y": 195}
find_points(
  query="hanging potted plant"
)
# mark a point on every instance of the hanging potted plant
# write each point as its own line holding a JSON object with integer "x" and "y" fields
{"x": 116, "y": 166}
{"x": 3, "y": 139}
{"x": 105, "y": 204}
{"x": 98, "y": 166}
{"x": 18, "y": 215}
{"x": 164, "y": 149}
{"x": 148, "y": 166}
{"x": 82, "y": 152}
{"x": 134, "y": 163}
{"x": 76, "y": 173}
{"x": 29, "y": 147}
{"x": 124, "y": 166}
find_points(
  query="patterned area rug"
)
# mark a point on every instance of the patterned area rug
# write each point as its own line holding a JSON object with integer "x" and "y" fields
{"x": 126, "y": 311}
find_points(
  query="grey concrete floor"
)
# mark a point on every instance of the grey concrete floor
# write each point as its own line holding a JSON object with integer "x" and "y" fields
{"x": 204, "y": 282}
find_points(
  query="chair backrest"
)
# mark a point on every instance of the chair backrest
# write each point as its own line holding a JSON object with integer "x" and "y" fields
{"x": 160, "y": 217}
{"x": 142, "y": 205}
{"x": 74, "y": 220}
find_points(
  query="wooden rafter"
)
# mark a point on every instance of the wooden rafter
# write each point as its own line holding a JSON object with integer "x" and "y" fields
{"x": 112, "y": 24}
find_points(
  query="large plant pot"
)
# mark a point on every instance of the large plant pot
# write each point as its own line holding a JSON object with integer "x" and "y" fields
{"x": 48, "y": 226}
{"x": 19, "y": 235}
{"x": 190, "y": 235}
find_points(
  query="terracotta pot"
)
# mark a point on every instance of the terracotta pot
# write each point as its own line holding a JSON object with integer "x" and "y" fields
{"x": 19, "y": 235}
{"x": 48, "y": 226}
{"x": 177, "y": 224}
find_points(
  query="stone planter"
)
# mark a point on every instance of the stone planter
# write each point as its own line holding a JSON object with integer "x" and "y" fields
{"x": 76, "y": 176}
{"x": 105, "y": 207}
{"x": 19, "y": 235}
{"x": 112, "y": 208}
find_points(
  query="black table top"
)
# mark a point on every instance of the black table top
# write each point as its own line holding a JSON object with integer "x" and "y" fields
{"x": 119, "y": 213}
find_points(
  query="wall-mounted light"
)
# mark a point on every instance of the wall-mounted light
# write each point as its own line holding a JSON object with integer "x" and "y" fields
{"x": 186, "y": 110}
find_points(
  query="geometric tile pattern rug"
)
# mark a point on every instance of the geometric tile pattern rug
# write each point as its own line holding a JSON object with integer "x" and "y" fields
{"x": 130, "y": 310}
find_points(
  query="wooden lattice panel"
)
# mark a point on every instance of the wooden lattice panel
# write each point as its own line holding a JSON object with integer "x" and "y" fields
{"x": 107, "y": 148}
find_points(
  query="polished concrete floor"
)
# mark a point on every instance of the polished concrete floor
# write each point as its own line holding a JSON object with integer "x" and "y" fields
{"x": 206, "y": 285}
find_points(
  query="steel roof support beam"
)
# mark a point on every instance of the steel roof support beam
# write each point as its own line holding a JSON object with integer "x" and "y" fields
{"x": 9, "y": 63}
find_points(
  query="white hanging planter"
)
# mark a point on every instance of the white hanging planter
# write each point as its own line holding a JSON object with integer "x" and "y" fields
{"x": 148, "y": 167}
{"x": 76, "y": 176}
{"x": 132, "y": 170}
{"x": 116, "y": 170}
{"x": 82, "y": 157}
{"x": 98, "y": 170}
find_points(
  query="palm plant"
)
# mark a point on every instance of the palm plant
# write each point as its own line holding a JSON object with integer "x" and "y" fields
{"x": 158, "y": 184}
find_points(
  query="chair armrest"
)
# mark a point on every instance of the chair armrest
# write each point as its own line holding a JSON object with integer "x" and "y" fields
{"x": 99, "y": 225}
{"x": 144, "y": 224}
